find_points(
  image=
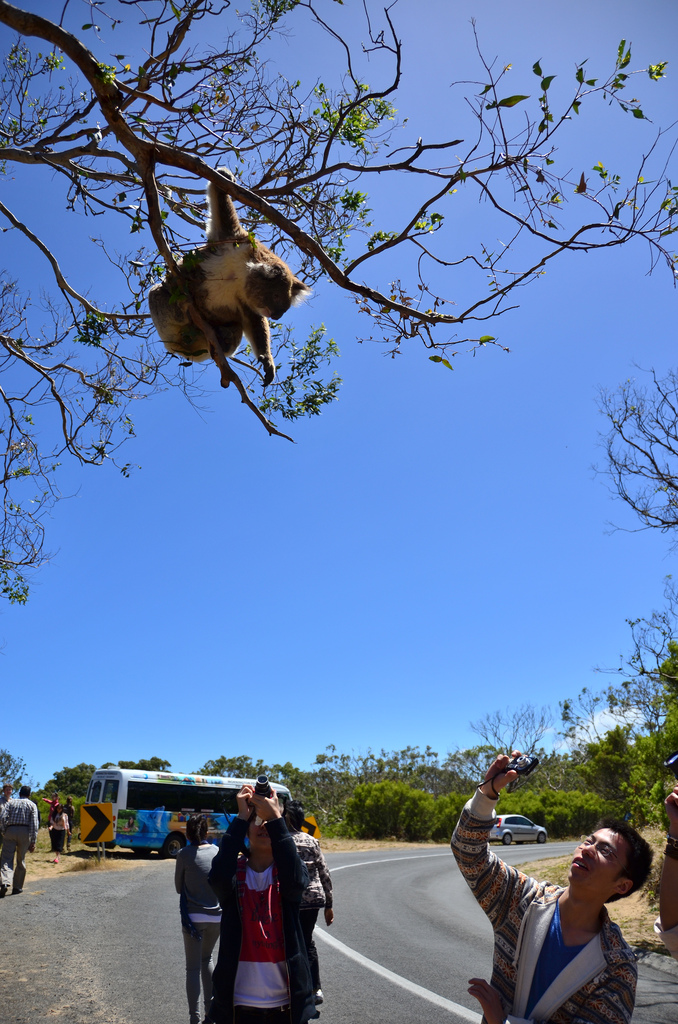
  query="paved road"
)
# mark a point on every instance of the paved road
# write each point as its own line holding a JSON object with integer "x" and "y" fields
{"x": 106, "y": 948}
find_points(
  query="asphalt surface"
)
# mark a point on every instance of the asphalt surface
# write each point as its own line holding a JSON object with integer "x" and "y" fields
{"x": 105, "y": 947}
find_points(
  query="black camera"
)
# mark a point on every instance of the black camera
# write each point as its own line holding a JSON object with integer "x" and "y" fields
{"x": 671, "y": 763}
{"x": 263, "y": 786}
{"x": 524, "y": 764}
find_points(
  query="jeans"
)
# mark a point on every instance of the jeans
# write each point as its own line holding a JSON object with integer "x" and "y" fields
{"x": 15, "y": 841}
{"x": 199, "y": 963}
{"x": 308, "y": 917}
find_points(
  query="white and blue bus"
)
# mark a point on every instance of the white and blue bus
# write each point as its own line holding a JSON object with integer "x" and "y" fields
{"x": 150, "y": 809}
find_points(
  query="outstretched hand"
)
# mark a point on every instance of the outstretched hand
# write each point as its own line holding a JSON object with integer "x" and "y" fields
{"x": 496, "y": 776}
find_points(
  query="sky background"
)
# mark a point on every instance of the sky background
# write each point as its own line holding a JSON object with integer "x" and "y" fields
{"x": 435, "y": 546}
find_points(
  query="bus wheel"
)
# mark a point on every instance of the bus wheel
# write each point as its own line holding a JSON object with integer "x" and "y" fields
{"x": 174, "y": 843}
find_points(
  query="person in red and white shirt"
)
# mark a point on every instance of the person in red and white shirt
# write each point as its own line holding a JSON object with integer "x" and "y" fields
{"x": 262, "y": 973}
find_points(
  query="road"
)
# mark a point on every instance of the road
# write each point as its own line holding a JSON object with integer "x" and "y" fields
{"x": 105, "y": 947}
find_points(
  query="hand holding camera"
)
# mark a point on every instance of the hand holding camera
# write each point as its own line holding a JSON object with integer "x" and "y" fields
{"x": 504, "y": 770}
{"x": 262, "y": 799}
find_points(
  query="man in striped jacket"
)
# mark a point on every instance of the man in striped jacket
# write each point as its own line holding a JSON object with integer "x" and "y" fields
{"x": 557, "y": 956}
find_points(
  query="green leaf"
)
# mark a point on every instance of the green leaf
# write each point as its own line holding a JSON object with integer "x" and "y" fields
{"x": 485, "y": 338}
{"x": 537, "y": 69}
{"x": 639, "y": 114}
{"x": 447, "y": 363}
{"x": 436, "y": 359}
{"x": 546, "y": 82}
{"x": 511, "y": 101}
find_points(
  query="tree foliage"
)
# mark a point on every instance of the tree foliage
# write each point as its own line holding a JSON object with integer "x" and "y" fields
{"x": 70, "y": 781}
{"x": 127, "y": 116}
{"x": 146, "y": 764}
{"x": 12, "y": 769}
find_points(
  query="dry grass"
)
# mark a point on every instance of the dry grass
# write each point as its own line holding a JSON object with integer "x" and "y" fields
{"x": 354, "y": 845}
{"x": 81, "y": 858}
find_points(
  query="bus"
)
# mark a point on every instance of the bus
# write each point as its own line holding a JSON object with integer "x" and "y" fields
{"x": 150, "y": 809}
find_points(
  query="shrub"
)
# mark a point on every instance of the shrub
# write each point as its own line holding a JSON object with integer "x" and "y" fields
{"x": 378, "y": 810}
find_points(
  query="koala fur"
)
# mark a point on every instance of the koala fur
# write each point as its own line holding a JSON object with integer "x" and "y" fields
{"x": 236, "y": 286}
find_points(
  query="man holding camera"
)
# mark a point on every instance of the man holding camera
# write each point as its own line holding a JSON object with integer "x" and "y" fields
{"x": 666, "y": 924}
{"x": 557, "y": 956}
{"x": 262, "y": 973}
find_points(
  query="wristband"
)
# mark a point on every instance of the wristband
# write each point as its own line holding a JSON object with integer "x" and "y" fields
{"x": 671, "y": 851}
{"x": 485, "y": 794}
{"x": 670, "y": 840}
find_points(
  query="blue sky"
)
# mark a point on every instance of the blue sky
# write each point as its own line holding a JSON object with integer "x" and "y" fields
{"x": 433, "y": 547}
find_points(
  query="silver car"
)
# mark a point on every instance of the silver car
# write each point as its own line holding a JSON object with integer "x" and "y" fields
{"x": 516, "y": 827}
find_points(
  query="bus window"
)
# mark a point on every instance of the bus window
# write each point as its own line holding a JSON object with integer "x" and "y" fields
{"x": 110, "y": 791}
{"x": 95, "y": 792}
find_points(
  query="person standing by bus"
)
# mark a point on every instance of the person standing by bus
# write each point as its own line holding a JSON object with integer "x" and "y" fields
{"x": 262, "y": 971}
{"x": 58, "y": 828}
{"x": 200, "y": 912}
{"x": 70, "y": 814}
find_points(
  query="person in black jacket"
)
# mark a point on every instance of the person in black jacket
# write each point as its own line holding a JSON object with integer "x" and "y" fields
{"x": 262, "y": 973}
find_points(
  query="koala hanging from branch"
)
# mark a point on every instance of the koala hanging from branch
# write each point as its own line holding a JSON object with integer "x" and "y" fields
{"x": 236, "y": 286}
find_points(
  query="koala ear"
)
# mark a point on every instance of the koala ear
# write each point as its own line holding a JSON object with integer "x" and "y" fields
{"x": 267, "y": 271}
{"x": 300, "y": 291}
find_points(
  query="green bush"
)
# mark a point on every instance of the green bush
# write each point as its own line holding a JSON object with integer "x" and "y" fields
{"x": 446, "y": 815}
{"x": 379, "y": 810}
{"x": 563, "y": 814}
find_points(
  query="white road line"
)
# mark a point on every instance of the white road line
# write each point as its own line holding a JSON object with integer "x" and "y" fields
{"x": 396, "y": 979}
{"x": 389, "y": 860}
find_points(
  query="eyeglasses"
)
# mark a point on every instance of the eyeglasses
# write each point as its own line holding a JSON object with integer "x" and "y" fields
{"x": 606, "y": 851}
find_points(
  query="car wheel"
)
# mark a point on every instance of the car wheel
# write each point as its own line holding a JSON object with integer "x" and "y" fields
{"x": 173, "y": 845}
{"x": 506, "y": 838}
{"x": 541, "y": 838}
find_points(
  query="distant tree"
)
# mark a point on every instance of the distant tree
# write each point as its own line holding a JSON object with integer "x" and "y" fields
{"x": 150, "y": 764}
{"x": 641, "y": 448}
{"x": 71, "y": 781}
{"x": 138, "y": 138}
{"x": 522, "y": 728}
{"x": 239, "y": 767}
{"x": 12, "y": 769}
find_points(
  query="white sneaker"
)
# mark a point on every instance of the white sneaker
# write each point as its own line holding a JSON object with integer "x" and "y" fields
{"x": 318, "y": 997}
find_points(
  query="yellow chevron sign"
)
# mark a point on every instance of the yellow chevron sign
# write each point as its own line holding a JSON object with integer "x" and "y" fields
{"x": 96, "y": 823}
{"x": 310, "y": 825}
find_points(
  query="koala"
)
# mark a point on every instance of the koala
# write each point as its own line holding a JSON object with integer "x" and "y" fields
{"x": 236, "y": 286}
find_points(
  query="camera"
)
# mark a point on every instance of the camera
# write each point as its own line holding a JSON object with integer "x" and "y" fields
{"x": 671, "y": 763}
{"x": 263, "y": 786}
{"x": 526, "y": 764}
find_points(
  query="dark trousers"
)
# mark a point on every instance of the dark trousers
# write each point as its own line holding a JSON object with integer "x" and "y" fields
{"x": 308, "y": 917}
{"x": 56, "y": 836}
